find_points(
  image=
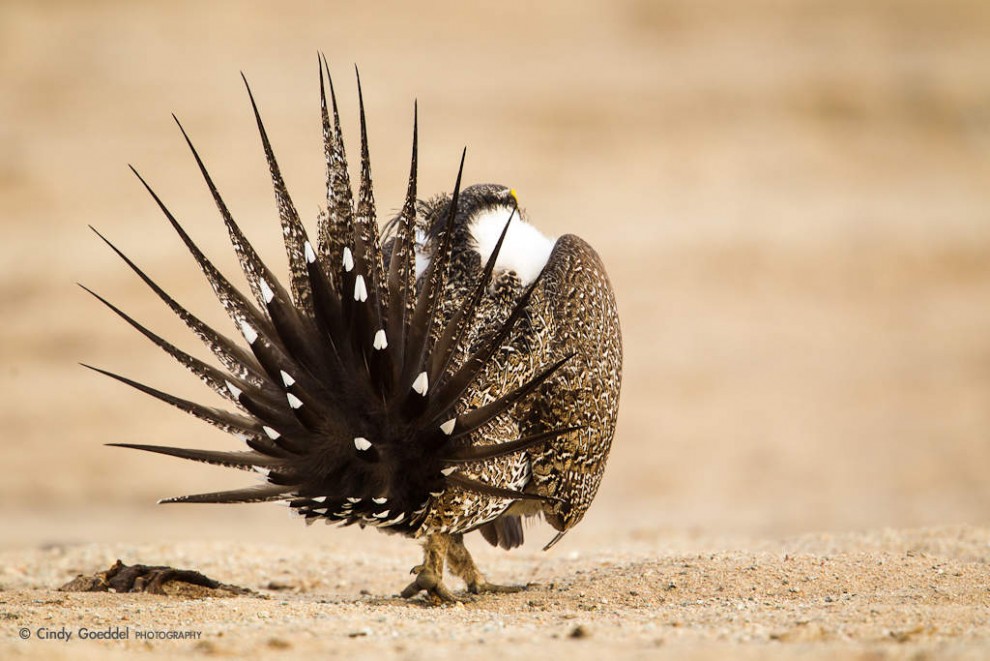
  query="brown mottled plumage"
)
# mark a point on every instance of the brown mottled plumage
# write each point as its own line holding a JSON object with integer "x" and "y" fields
{"x": 457, "y": 372}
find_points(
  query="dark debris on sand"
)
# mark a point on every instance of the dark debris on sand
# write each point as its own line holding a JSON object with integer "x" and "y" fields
{"x": 161, "y": 580}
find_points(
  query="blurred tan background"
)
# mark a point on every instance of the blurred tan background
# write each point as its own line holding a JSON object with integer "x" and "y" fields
{"x": 792, "y": 200}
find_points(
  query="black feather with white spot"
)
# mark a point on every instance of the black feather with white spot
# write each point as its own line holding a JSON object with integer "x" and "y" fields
{"x": 351, "y": 391}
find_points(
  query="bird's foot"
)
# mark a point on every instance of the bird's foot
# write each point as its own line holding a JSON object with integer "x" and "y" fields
{"x": 429, "y": 581}
{"x": 462, "y": 565}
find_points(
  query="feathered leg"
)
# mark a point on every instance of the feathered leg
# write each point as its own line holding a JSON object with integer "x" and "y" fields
{"x": 429, "y": 575}
{"x": 462, "y": 565}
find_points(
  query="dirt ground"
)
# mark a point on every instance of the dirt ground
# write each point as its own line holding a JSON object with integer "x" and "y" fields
{"x": 890, "y": 594}
{"x": 791, "y": 200}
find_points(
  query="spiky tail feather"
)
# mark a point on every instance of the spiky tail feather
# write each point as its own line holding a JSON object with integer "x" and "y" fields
{"x": 349, "y": 396}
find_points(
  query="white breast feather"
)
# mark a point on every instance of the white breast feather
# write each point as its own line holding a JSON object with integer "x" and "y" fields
{"x": 422, "y": 255}
{"x": 525, "y": 249}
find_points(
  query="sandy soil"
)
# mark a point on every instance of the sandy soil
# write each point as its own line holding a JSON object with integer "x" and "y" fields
{"x": 891, "y": 594}
{"x": 792, "y": 202}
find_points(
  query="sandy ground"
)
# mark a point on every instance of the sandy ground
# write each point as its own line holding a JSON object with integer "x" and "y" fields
{"x": 792, "y": 202}
{"x": 917, "y": 594}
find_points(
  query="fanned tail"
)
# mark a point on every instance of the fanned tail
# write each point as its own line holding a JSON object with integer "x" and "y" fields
{"x": 351, "y": 394}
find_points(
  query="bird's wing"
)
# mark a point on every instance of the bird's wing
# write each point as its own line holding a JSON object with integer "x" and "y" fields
{"x": 584, "y": 394}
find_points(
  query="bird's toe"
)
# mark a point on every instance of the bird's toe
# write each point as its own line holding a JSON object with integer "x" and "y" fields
{"x": 483, "y": 587}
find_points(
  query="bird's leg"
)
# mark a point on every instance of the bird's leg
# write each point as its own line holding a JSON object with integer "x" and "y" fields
{"x": 429, "y": 575}
{"x": 462, "y": 565}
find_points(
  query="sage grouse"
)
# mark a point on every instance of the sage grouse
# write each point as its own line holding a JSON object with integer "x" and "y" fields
{"x": 453, "y": 371}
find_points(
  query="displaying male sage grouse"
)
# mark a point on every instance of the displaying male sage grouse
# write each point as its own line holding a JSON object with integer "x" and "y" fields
{"x": 457, "y": 371}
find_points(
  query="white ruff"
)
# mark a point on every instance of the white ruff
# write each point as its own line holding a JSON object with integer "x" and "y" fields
{"x": 422, "y": 255}
{"x": 525, "y": 249}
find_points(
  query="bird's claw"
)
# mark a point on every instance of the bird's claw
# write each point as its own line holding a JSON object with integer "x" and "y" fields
{"x": 437, "y": 593}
